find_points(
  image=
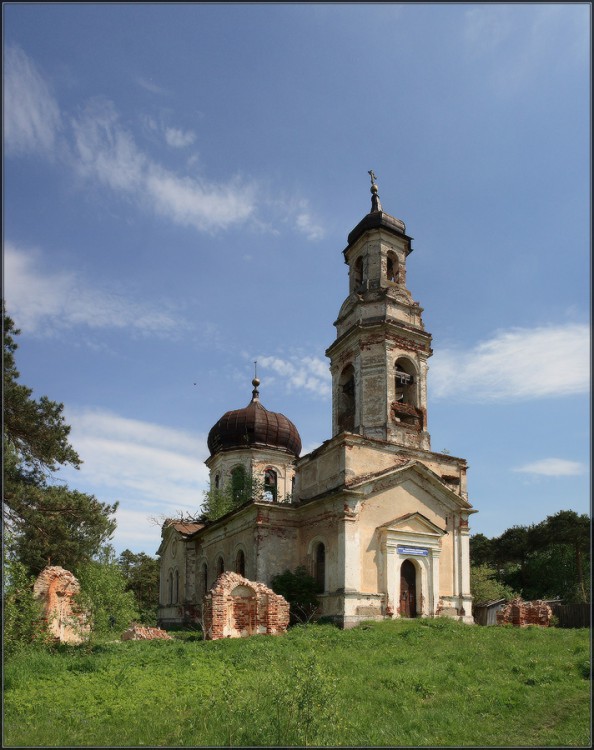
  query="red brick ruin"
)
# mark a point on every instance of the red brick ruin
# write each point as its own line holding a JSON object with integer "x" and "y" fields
{"x": 56, "y": 588}
{"x": 236, "y": 608}
{"x": 145, "y": 633}
{"x": 522, "y": 613}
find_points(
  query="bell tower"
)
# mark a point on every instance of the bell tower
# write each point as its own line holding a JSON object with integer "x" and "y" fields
{"x": 379, "y": 358}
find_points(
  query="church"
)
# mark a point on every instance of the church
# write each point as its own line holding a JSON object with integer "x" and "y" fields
{"x": 376, "y": 517}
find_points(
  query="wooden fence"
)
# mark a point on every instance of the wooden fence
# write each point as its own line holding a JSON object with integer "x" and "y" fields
{"x": 572, "y": 615}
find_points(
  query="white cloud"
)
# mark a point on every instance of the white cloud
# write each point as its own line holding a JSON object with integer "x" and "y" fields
{"x": 309, "y": 374}
{"x": 43, "y": 302}
{"x": 553, "y": 467}
{"x": 152, "y": 470}
{"x": 306, "y": 224}
{"x": 148, "y": 85}
{"x": 519, "y": 364}
{"x": 31, "y": 114}
{"x": 178, "y": 138}
{"x": 104, "y": 150}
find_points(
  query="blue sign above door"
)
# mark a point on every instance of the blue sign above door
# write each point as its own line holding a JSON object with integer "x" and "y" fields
{"x": 412, "y": 551}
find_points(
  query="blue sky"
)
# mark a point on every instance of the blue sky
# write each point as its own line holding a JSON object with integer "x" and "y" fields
{"x": 179, "y": 184}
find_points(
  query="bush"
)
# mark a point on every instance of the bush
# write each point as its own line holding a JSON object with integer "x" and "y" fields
{"x": 299, "y": 589}
{"x": 23, "y": 617}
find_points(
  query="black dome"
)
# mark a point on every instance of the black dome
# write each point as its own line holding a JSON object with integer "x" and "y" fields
{"x": 254, "y": 426}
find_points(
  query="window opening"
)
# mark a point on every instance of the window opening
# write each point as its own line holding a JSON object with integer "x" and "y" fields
{"x": 392, "y": 269}
{"x": 346, "y": 400}
{"x": 270, "y": 485}
{"x": 240, "y": 563}
{"x": 217, "y": 481}
{"x": 220, "y": 566}
{"x": 239, "y": 484}
{"x": 204, "y": 578}
{"x": 320, "y": 567}
{"x": 358, "y": 273}
{"x": 176, "y": 588}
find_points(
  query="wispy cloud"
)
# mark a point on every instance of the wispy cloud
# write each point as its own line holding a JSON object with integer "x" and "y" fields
{"x": 302, "y": 373}
{"x": 31, "y": 114}
{"x": 150, "y": 85}
{"x": 553, "y": 467}
{"x": 519, "y": 364}
{"x": 179, "y": 138}
{"x": 307, "y": 224}
{"x": 149, "y": 468}
{"x": 41, "y": 302}
{"x": 521, "y": 39}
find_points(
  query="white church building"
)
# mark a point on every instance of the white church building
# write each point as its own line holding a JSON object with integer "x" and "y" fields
{"x": 376, "y": 517}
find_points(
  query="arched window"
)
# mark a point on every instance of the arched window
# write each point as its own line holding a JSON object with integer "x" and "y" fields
{"x": 204, "y": 578}
{"x": 404, "y": 380}
{"x": 346, "y": 400}
{"x": 270, "y": 485}
{"x": 240, "y": 563}
{"x": 220, "y": 565}
{"x": 392, "y": 268}
{"x": 217, "y": 482}
{"x": 239, "y": 484}
{"x": 170, "y": 588}
{"x": 320, "y": 567}
{"x": 176, "y": 588}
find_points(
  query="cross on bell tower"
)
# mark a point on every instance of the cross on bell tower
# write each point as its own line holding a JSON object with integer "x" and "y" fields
{"x": 379, "y": 358}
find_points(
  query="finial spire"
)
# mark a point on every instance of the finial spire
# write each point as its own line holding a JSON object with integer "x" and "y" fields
{"x": 375, "y": 201}
{"x": 255, "y": 383}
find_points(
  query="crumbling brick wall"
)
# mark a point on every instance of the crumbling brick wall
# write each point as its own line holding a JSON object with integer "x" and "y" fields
{"x": 522, "y": 613}
{"x": 56, "y": 588}
{"x": 236, "y": 607}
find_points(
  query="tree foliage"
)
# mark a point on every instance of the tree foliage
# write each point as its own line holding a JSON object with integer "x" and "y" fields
{"x": 548, "y": 560}
{"x": 299, "y": 589}
{"x": 103, "y": 595}
{"x": 485, "y": 587}
{"x": 241, "y": 489}
{"x": 49, "y": 523}
{"x": 141, "y": 573}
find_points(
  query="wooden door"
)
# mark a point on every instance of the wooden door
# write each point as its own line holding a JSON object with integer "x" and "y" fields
{"x": 408, "y": 590}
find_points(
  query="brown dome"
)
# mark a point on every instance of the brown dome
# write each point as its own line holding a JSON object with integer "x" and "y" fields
{"x": 254, "y": 426}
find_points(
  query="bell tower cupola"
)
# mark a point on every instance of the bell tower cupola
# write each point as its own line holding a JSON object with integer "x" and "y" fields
{"x": 379, "y": 358}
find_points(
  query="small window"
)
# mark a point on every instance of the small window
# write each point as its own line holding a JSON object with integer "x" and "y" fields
{"x": 217, "y": 481}
{"x": 176, "y": 588}
{"x": 220, "y": 566}
{"x": 204, "y": 578}
{"x": 270, "y": 485}
{"x": 240, "y": 563}
{"x": 170, "y": 588}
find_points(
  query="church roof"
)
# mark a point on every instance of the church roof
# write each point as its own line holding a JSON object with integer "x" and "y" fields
{"x": 377, "y": 218}
{"x": 254, "y": 426}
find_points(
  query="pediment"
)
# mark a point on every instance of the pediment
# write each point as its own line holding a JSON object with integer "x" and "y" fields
{"x": 418, "y": 474}
{"x": 415, "y": 523}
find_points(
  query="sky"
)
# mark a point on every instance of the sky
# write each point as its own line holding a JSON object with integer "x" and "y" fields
{"x": 179, "y": 184}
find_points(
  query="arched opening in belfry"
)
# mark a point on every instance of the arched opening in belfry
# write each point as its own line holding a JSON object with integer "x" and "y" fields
{"x": 392, "y": 268}
{"x": 346, "y": 400}
{"x": 406, "y": 398}
{"x": 405, "y": 391}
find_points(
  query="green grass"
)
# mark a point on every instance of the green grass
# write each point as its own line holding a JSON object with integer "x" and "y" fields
{"x": 403, "y": 683}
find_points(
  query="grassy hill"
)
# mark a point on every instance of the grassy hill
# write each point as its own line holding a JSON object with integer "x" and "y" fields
{"x": 402, "y": 683}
